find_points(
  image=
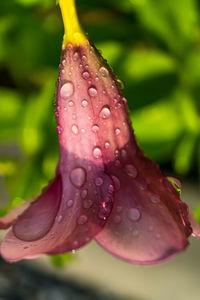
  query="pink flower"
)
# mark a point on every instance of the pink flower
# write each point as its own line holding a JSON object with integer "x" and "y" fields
{"x": 104, "y": 189}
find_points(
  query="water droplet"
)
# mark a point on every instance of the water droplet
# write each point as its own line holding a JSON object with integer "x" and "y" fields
{"x": 98, "y": 181}
{"x": 87, "y": 203}
{"x": 75, "y": 56}
{"x": 104, "y": 72}
{"x": 117, "y": 219}
{"x": 84, "y": 103}
{"x": 134, "y": 214}
{"x": 64, "y": 62}
{"x": 84, "y": 194}
{"x": 124, "y": 100}
{"x": 131, "y": 170}
{"x": 135, "y": 233}
{"x": 82, "y": 130}
{"x": 82, "y": 220}
{"x": 107, "y": 145}
{"x": 92, "y": 92}
{"x": 71, "y": 103}
{"x": 117, "y": 131}
{"x": 86, "y": 75}
{"x": 74, "y": 116}
{"x": 84, "y": 57}
{"x": 97, "y": 152}
{"x": 95, "y": 128}
{"x": 57, "y": 114}
{"x": 151, "y": 228}
{"x": 70, "y": 203}
{"x": 116, "y": 182}
{"x": 78, "y": 177}
{"x": 59, "y": 129}
{"x": 117, "y": 163}
{"x": 67, "y": 90}
{"x": 154, "y": 198}
{"x": 123, "y": 153}
{"x": 105, "y": 209}
{"x": 119, "y": 209}
{"x": 111, "y": 188}
{"x": 60, "y": 219}
{"x": 105, "y": 112}
{"x": 75, "y": 129}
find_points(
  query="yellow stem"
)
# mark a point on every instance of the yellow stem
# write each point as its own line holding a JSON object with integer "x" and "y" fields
{"x": 73, "y": 32}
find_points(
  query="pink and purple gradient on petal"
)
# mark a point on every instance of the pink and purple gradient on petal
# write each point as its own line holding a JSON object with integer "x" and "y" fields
{"x": 104, "y": 188}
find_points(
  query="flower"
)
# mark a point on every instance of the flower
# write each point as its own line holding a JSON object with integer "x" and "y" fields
{"x": 104, "y": 186}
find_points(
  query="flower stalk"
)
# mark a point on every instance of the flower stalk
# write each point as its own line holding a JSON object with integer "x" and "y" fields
{"x": 73, "y": 32}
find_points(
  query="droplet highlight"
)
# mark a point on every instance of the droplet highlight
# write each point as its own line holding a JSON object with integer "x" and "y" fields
{"x": 105, "y": 112}
{"x": 67, "y": 90}
{"x": 97, "y": 153}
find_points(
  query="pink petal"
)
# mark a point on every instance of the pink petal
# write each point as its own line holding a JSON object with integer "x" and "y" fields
{"x": 7, "y": 220}
{"x": 148, "y": 223}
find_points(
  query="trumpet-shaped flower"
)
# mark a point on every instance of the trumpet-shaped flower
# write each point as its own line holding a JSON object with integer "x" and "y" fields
{"x": 104, "y": 188}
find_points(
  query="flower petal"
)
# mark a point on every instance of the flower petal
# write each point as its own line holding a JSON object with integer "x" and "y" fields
{"x": 7, "y": 220}
{"x": 148, "y": 223}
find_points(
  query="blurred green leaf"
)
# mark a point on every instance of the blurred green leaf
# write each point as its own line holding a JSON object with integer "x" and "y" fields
{"x": 62, "y": 259}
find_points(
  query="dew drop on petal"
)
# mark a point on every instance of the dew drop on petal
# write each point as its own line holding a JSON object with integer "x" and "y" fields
{"x": 75, "y": 56}
{"x": 131, "y": 171}
{"x": 67, "y": 90}
{"x": 116, "y": 182}
{"x": 87, "y": 203}
{"x": 154, "y": 198}
{"x": 134, "y": 214}
{"x": 105, "y": 112}
{"x": 71, "y": 103}
{"x": 84, "y": 103}
{"x": 59, "y": 129}
{"x": 104, "y": 72}
{"x": 117, "y": 131}
{"x": 84, "y": 194}
{"x": 60, "y": 218}
{"x": 107, "y": 145}
{"x": 70, "y": 203}
{"x": 98, "y": 181}
{"x": 97, "y": 152}
{"x": 123, "y": 153}
{"x": 119, "y": 209}
{"x": 95, "y": 128}
{"x": 92, "y": 92}
{"x": 111, "y": 188}
{"x": 86, "y": 75}
{"x": 117, "y": 219}
{"x": 78, "y": 177}
{"x": 105, "y": 209}
{"x": 82, "y": 220}
{"x": 75, "y": 129}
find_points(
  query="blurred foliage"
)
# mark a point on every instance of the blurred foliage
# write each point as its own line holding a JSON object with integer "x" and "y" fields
{"x": 152, "y": 45}
{"x": 61, "y": 259}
